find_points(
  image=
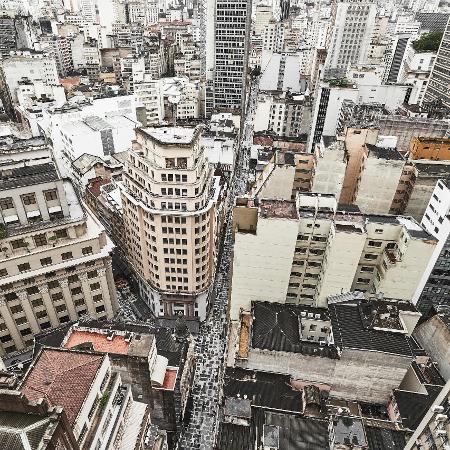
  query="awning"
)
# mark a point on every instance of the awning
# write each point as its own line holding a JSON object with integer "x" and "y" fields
{"x": 34, "y": 213}
{"x": 54, "y": 209}
{"x": 159, "y": 370}
{"x": 12, "y": 218}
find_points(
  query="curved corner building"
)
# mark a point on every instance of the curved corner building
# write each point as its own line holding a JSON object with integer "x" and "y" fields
{"x": 169, "y": 203}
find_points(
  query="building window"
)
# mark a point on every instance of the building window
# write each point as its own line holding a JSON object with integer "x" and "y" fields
{"x": 40, "y": 240}
{"x": 41, "y": 315}
{"x": 24, "y": 267}
{"x": 19, "y": 243}
{"x": 16, "y": 309}
{"x": 76, "y": 291}
{"x": 86, "y": 250}
{"x": 66, "y": 255}
{"x": 92, "y": 274}
{"x": 3, "y": 272}
{"x": 61, "y": 234}
{"x": 51, "y": 195}
{"x": 97, "y": 298}
{"x": 6, "y": 203}
{"x": 95, "y": 286}
{"x": 375, "y": 244}
{"x": 100, "y": 309}
{"x": 60, "y": 308}
{"x": 32, "y": 290}
{"x": 57, "y": 296}
{"x": 28, "y": 199}
{"x": 46, "y": 261}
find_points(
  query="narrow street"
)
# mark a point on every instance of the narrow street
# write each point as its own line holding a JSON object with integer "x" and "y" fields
{"x": 201, "y": 431}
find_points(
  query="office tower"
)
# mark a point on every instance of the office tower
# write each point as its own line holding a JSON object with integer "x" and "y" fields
{"x": 439, "y": 83}
{"x": 55, "y": 263}
{"x": 351, "y": 37}
{"x": 232, "y": 34}
{"x": 169, "y": 198}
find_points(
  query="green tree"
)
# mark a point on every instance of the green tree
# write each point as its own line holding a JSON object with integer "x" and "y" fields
{"x": 428, "y": 42}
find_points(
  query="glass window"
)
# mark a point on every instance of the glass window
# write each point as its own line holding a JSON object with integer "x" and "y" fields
{"x": 6, "y": 203}
{"x": 28, "y": 199}
{"x": 40, "y": 240}
{"x": 51, "y": 195}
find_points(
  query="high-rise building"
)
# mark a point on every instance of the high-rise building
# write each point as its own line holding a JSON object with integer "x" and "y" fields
{"x": 232, "y": 36}
{"x": 351, "y": 37}
{"x": 55, "y": 263}
{"x": 439, "y": 84}
{"x": 301, "y": 252}
{"x": 169, "y": 203}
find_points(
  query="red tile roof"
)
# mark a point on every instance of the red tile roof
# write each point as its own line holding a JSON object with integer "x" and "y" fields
{"x": 63, "y": 378}
{"x": 99, "y": 342}
{"x": 169, "y": 379}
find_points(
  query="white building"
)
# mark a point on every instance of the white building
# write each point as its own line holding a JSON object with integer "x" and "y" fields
{"x": 148, "y": 93}
{"x": 354, "y": 22}
{"x": 304, "y": 251}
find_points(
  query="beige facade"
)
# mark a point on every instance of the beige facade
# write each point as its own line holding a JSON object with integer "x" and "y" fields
{"x": 55, "y": 263}
{"x": 303, "y": 251}
{"x": 169, "y": 197}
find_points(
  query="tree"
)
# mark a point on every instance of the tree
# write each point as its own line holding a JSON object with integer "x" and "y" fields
{"x": 428, "y": 42}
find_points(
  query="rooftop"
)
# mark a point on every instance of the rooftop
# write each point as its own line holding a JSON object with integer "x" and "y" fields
{"x": 277, "y": 209}
{"x": 277, "y": 327}
{"x": 349, "y": 430}
{"x": 352, "y": 327}
{"x": 62, "y": 378}
{"x": 387, "y": 153}
{"x": 172, "y": 135}
{"x": 28, "y": 176}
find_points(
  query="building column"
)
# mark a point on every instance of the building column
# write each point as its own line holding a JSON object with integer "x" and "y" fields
{"x": 10, "y": 324}
{"x": 51, "y": 312}
{"x": 107, "y": 300}
{"x": 87, "y": 295}
{"x": 111, "y": 285}
{"x": 23, "y": 296}
{"x": 64, "y": 283}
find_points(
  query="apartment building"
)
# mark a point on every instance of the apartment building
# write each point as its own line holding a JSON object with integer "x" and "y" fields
{"x": 25, "y": 64}
{"x": 437, "y": 149}
{"x": 354, "y": 22}
{"x": 55, "y": 263}
{"x": 301, "y": 252}
{"x": 433, "y": 430}
{"x": 437, "y": 87}
{"x": 170, "y": 200}
{"x": 232, "y": 36}
{"x": 99, "y": 407}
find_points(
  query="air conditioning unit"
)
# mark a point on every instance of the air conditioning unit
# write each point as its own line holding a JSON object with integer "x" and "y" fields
{"x": 310, "y": 315}
{"x": 317, "y": 316}
{"x": 437, "y": 409}
{"x": 441, "y": 418}
{"x": 303, "y": 314}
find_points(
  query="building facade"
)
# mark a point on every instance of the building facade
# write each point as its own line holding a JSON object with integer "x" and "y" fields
{"x": 55, "y": 263}
{"x": 232, "y": 35}
{"x": 169, "y": 203}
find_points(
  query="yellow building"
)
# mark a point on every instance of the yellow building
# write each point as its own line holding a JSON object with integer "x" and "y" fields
{"x": 437, "y": 149}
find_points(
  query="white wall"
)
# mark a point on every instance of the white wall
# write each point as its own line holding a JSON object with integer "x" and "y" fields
{"x": 262, "y": 264}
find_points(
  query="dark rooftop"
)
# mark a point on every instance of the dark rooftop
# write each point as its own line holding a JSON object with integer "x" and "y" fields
{"x": 353, "y": 329}
{"x": 28, "y": 176}
{"x": 234, "y": 437}
{"x": 263, "y": 389}
{"x": 277, "y": 326}
{"x": 391, "y": 154}
{"x": 385, "y": 439}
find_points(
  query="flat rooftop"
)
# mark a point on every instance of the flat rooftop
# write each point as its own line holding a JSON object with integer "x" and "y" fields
{"x": 172, "y": 135}
{"x": 277, "y": 209}
{"x": 119, "y": 344}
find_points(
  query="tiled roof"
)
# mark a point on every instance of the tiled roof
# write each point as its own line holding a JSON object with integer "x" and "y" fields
{"x": 99, "y": 341}
{"x": 28, "y": 176}
{"x": 63, "y": 378}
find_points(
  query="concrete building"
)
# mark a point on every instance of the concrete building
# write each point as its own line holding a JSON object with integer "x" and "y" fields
{"x": 55, "y": 264}
{"x": 433, "y": 334}
{"x": 437, "y": 87}
{"x": 432, "y": 432}
{"x": 99, "y": 407}
{"x": 26, "y": 64}
{"x": 354, "y": 22}
{"x": 340, "y": 349}
{"x": 170, "y": 204}
{"x": 430, "y": 148}
{"x": 231, "y": 46}
{"x": 303, "y": 251}
{"x": 34, "y": 425}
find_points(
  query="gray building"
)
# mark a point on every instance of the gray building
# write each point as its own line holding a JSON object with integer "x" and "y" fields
{"x": 232, "y": 35}
{"x": 439, "y": 83}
